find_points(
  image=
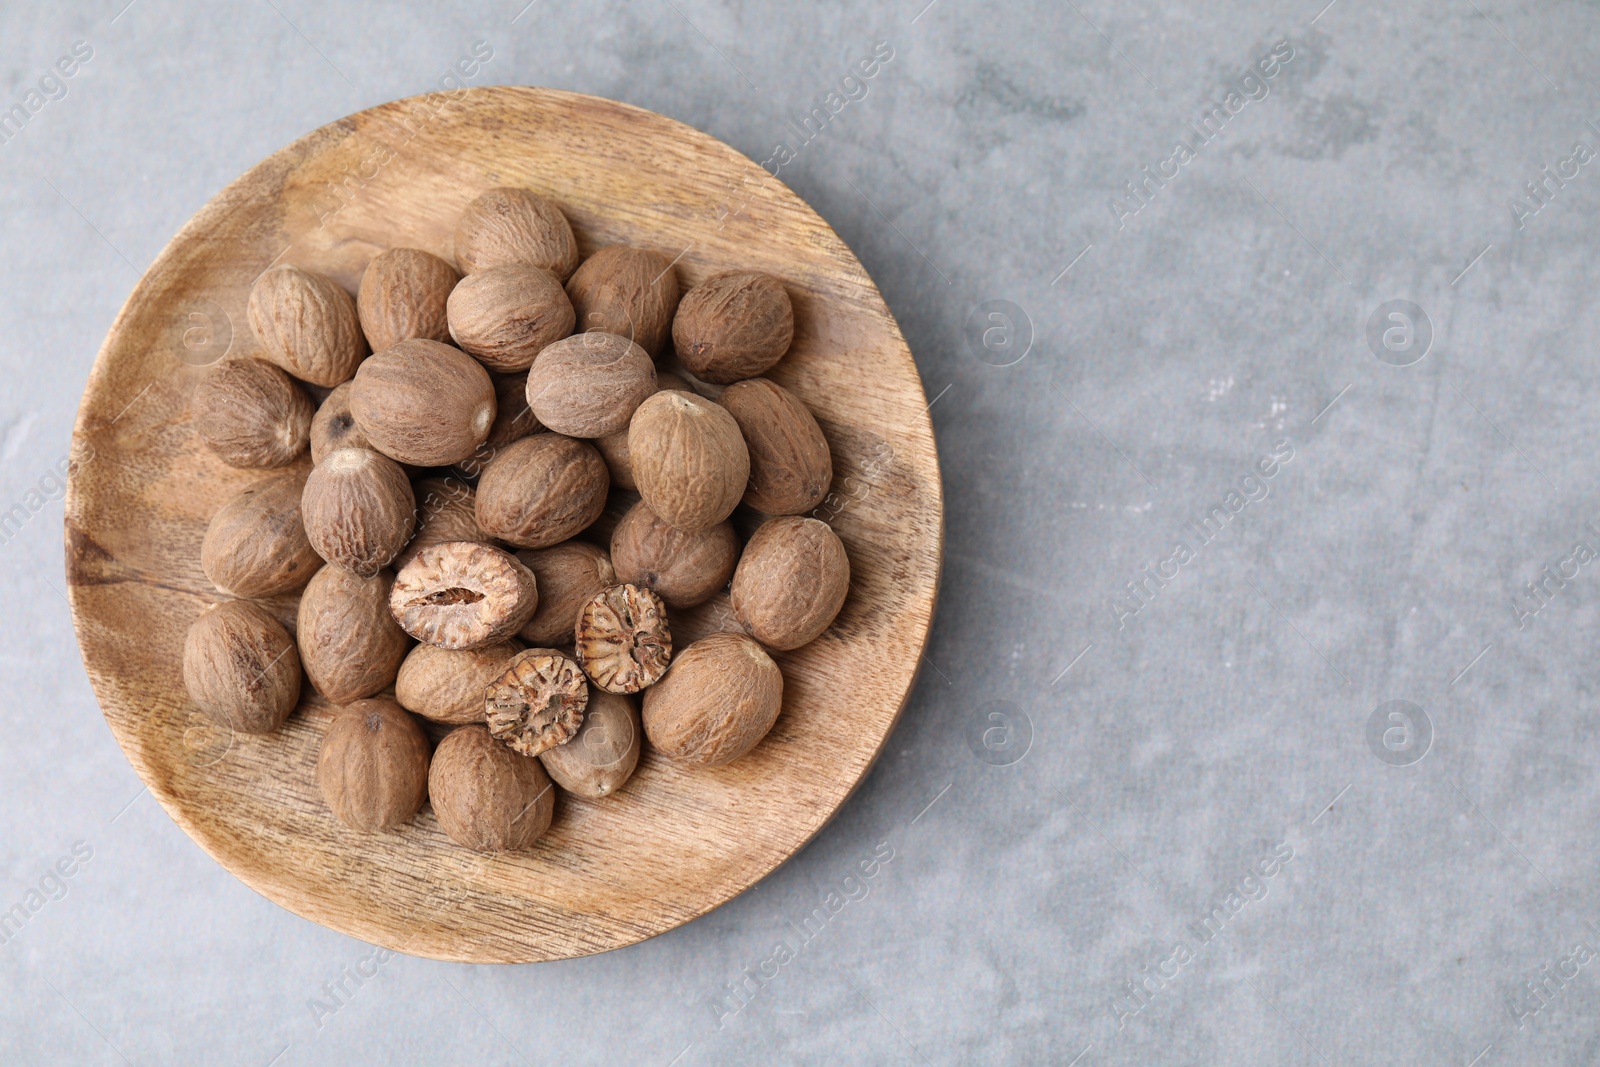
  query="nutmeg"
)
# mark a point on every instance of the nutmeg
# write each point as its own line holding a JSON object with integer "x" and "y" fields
{"x": 256, "y": 545}
{"x": 240, "y": 667}
{"x": 445, "y": 512}
{"x": 448, "y": 685}
{"x": 791, "y": 467}
{"x": 614, "y": 446}
{"x": 622, "y": 638}
{"x": 510, "y": 225}
{"x": 716, "y": 703}
{"x": 349, "y": 643}
{"x": 684, "y": 568}
{"x": 486, "y": 797}
{"x": 688, "y": 458}
{"x": 588, "y": 385}
{"x": 505, "y": 315}
{"x": 307, "y": 324}
{"x": 359, "y": 510}
{"x": 373, "y": 765}
{"x": 249, "y": 413}
{"x": 423, "y": 403}
{"x": 733, "y": 325}
{"x": 403, "y": 295}
{"x": 463, "y": 595}
{"x": 603, "y": 753}
{"x": 631, "y": 292}
{"x": 568, "y": 575}
{"x": 537, "y": 702}
{"x": 334, "y": 425}
{"x": 542, "y": 490}
{"x": 791, "y": 581}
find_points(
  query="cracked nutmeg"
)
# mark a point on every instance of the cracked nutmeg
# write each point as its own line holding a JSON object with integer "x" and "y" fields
{"x": 538, "y": 702}
{"x": 460, "y": 595}
{"x": 623, "y": 640}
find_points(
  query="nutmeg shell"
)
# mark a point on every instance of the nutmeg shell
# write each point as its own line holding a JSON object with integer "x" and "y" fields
{"x": 542, "y": 490}
{"x": 632, "y": 292}
{"x": 791, "y": 466}
{"x": 589, "y": 385}
{"x": 512, "y": 225}
{"x": 717, "y": 701}
{"x": 251, "y": 414}
{"x": 486, "y": 797}
{"x": 506, "y": 315}
{"x": 791, "y": 581}
{"x": 307, "y": 324}
{"x": 689, "y": 459}
{"x": 403, "y": 295}
{"x": 359, "y": 510}
{"x": 256, "y": 545}
{"x": 349, "y": 643}
{"x": 240, "y": 667}
{"x": 732, "y": 326}
{"x": 373, "y": 765}
{"x": 423, "y": 403}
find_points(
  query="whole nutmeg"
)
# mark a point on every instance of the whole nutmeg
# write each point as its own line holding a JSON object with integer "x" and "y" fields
{"x": 240, "y": 667}
{"x": 403, "y": 295}
{"x": 537, "y": 702}
{"x": 541, "y": 490}
{"x": 689, "y": 459}
{"x": 373, "y": 767}
{"x": 588, "y": 385}
{"x": 358, "y": 510}
{"x": 791, "y": 467}
{"x": 732, "y": 326}
{"x": 614, "y": 446}
{"x": 488, "y": 798}
{"x": 622, "y": 639}
{"x": 509, "y": 225}
{"x": 503, "y": 316}
{"x": 513, "y": 420}
{"x": 683, "y": 567}
{"x": 717, "y": 702}
{"x": 463, "y": 595}
{"x": 251, "y": 414}
{"x": 349, "y": 643}
{"x": 334, "y": 425}
{"x": 569, "y": 575}
{"x": 603, "y": 753}
{"x": 307, "y": 324}
{"x": 790, "y": 582}
{"x": 448, "y": 685}
{"x": 423, "y": 403}
{"x": 256, "y": 545}
{"x": 446, "y": 511}
{"x": 631, "y": 292}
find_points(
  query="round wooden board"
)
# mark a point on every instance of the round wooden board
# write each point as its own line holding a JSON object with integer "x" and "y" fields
{"x": 673, "y": 843}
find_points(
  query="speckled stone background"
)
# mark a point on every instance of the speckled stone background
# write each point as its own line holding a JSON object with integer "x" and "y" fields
{"x": 1178, "y": 821}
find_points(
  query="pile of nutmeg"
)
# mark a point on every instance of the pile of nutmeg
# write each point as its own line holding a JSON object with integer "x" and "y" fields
{"x": 445, "y": 537}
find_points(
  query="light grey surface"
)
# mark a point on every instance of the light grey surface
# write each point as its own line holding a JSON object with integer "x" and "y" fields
{"x": 1183, "y": 747}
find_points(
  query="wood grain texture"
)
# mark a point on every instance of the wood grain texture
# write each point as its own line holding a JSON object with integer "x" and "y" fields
{"x": 673, "y": 843}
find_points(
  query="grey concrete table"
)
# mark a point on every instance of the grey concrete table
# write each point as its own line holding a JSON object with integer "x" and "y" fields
{"x": 1258, "y": 722}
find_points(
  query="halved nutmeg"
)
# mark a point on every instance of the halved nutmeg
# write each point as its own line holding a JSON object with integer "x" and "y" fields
{"x": 538, "y": 702}
{"x": 623, "y": 640}
{"x": 460, "y": 594}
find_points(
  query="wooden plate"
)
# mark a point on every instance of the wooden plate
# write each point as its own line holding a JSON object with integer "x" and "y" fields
{"x": 674, "y": 843}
